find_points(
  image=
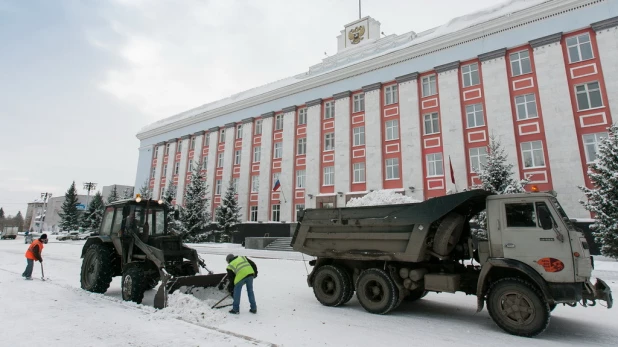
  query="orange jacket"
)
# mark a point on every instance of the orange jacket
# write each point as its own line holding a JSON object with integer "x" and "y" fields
{"x": 35, "y": 250}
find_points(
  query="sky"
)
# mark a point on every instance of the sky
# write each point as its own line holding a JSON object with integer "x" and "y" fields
{"x": 80, "y": 78}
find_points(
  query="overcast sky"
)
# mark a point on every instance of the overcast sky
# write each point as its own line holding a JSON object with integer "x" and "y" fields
{"x": 79, "y": 78}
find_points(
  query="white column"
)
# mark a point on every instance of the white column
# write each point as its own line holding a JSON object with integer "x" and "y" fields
{"x": 373, "y": 140}
{"x": 245, "y": 167}
{"x": 212, "y": 163}
{"x": 157, "y": 183}
{"x": 265, "y": 167}
{"x": 171, "y": 158}
{"x": 312, "y": 184}
{"x": 228, "y": 156}
{"x": 287, "y": 164}
{"x": 342, "y": 146}
{"x": 607, "y": 44}
{"x": 560, "y": 133}
{"x": 452, "y": 128}
{"x": 498, "y": 104}
{"x": 411, "y": 152}
{"x": 197, "y": 153}
{"x": 182, "y": 172}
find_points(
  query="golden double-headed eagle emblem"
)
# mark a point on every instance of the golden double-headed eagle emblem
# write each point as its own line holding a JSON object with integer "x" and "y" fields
{"x": 356, "y": 35}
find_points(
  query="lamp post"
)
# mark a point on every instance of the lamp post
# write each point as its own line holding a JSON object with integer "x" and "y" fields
{"x": 44, "y": 196}
{"x": 89, "y": 186}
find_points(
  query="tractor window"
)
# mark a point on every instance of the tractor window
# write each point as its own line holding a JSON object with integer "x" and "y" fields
{"x": 117, "y": 220}
{"x": 520, "y": 215}
{"x": 106, "y": 225}
{"x": 160, "y": 223}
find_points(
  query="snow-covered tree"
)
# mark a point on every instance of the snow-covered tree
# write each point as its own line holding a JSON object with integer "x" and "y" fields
{"x": 127, "y": 193}
{"x": 228, "y": 214}
{"x": 195, "y": 215}
{"x": 113, "y": 195}
{"x": 69, "y": 217}
{"x": 94, "y": 215}
{"x": 173, "y": 225}
{"x": 496, "y": 176}
{"x": 1, "y": 213}
{"x": 603, "y": 197}
{"x": 145, "y": 191}
{"x": 18, "y": 221}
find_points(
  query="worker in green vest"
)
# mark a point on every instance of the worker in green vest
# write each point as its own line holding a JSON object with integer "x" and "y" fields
{"x": 240, "y": 271}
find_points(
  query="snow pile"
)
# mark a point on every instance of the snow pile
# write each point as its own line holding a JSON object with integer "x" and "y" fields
{"x": 196, "y": 307}
{"x": 381, "y": 197}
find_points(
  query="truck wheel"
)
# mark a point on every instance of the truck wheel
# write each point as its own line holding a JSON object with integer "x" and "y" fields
{"x": 97, "y": 269}
{"x": 350, "y": 293}
{"x": 376, "y": 291}
{"x": 448, "y": 234}
{"x": 133, "y": 284}
{"x": 518, "y": 307}
{"x": 416, "y": 294}
{"x": 330, "y": 285}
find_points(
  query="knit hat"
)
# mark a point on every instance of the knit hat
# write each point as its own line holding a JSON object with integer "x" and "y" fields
{"x": 43, "y": 237}
{"x": 230, "y": 257}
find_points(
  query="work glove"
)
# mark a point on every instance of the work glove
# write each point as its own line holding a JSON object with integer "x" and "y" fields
{"x": 40, "y": 260}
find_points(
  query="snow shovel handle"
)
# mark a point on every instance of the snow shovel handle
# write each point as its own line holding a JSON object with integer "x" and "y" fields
{"x": 218, "y": 302}
{"x": 42, "y": 272}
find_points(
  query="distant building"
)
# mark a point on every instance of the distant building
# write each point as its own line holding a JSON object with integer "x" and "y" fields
{"x": 34, "y": 208}
{"x": 51, "y": 220}
{"x": 107, "y": 190}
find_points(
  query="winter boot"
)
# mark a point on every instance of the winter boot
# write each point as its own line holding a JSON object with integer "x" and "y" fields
{"x": 232, "y": 311}
{"x": 253, "y": 311}
{"x": 29, "y": 278}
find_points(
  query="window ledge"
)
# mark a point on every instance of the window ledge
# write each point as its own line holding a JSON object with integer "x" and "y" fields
{"x": 476, "y": 127}
{"x": 436, "y": 176}
{"x": 529, "y": 118}
{"x": 591, "y": 109}
{"x": 579, "y": 61}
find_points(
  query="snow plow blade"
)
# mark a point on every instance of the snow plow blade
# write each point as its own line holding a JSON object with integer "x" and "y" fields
{"x": 170, "y": 285}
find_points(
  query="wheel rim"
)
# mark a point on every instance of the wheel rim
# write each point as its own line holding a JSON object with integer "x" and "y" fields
{"x": 328, "y": 285}
{"x": 374, "y": 291}
{"x": 517, "y": 308}
{"x": 92, "y": 267}
{"x": 126, "y": 286}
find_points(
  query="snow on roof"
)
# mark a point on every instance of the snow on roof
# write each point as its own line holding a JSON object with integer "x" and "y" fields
{"x": 505, "y": 8}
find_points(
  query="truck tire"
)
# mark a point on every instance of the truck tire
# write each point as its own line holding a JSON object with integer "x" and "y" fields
{"x": 448, "y": 233}
{"x": 350, "y": 293}
{"x": 518, "y": 307}
{"x": 416, "y": 294}
{"x": 133, "y": 284}
{"x": 331, "y": 285}
{"x": 97, "y": 269}
{"x": 376, "y": 291}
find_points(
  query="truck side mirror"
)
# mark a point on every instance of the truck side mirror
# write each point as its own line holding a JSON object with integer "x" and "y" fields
{"x": 545, "y": 219}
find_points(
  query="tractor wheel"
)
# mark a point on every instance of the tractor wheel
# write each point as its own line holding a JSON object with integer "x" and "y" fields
{"x": 97, "y": 269}
{"x": 448, "y": 234}
{"x": 416, "y": 294}
{"x": 133, "y": 284}
{"x": 518, "y": 307}
{"x": 376, "y": 291}
{"x": 330, "y": 285}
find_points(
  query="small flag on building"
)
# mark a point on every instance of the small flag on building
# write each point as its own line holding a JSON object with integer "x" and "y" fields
{"x": 452, "y": 172}
{"x": 277, "y": 185}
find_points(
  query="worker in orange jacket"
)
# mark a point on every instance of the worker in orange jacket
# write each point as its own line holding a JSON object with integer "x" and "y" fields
{"x": 34, "y": 253}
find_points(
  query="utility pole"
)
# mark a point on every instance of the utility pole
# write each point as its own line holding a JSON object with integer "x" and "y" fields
{"x": 359, "y": 9}
{"x": 89, "y": 186}
{"x": 45, "y": 197}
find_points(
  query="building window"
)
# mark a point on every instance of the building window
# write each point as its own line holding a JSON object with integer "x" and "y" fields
{"x": 278, "y": 150}
{"x": 153, "y": 172}
{"x": 300, "y": 178}
{"x": 176, "y": 168}
{"x": 329, "y": 109}
{"x": 205, "y": 162}
{"x": 161, "y": 192}
{"x": 222, "y": 136}
{"x": 532, "y": 153}
{"x": 392, "y": 169}
{"x": 207, "y": 140}
{"x": 520, "y": 63}
{"x": 470, "y": 75}
{"x": 192, "y": 143}
{"x": 254, "y": 214}
{"x": 257, "y": 153}
{"x": 156, "y": 151}
{"x": 432, "y": 124}
{"x": 258, "y": 127}
{"x": 329, "y": 141}
{"x": 359, "y": 136}
{"x": 329, "y": 175}
{"x": 239, "y": 131}
{"x": 434, "y": 165}
{"x": 299, "y": 208}
{"x": 580, "y": 48}
{"x": 392, "y": 130}
{"x": 167, "y": 149}
{"x": 478, "y": 158}
{"x": 218, "y": 187}
{"x": 179, "y": 147}
{"x": 276, "y": 213}
{"x": 165, "y": 170}
{"x": 359, "y": 172}
{"x": 301, "y": 146}
{"x": 390, "y": 95}
{"x": 591, "y": 145}
{"x": 235, "y": 184}
{"x": 474, "y": 115}
{"x": 588, "y": 96}
{"x": 359, "y": 102}
{"x": 302, "y": 116}
{"x": 237, "y": 157}
{"x": 279, "y": 122}
{"x": 220, "y": 160}
{"x": 526, "y": 106}
{"x": 255, "y": 183}
{"x": 429, "y": 85}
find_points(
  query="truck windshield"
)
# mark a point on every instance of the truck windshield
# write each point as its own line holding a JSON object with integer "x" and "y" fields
{"x": 562, "y": 214}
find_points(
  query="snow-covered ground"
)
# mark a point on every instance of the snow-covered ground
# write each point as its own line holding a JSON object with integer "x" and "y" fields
{"x": 58, "y": 313}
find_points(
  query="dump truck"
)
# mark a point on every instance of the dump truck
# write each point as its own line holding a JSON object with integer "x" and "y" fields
{"x": 532, "y": 260}
{"x": 133, "y": 241}
{"x": 9, "y": 233}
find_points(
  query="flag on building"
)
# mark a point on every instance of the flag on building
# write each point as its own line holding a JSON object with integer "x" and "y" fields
{"x": 452, "y": 172}
{"x": 277, "y": 185}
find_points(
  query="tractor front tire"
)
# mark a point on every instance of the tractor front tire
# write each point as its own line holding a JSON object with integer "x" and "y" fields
{"x": 133, "y": 284}
{"x": 97, "y": 268}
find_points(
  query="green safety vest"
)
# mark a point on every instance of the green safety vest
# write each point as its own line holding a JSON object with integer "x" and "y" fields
{"x": 241, "y": 268}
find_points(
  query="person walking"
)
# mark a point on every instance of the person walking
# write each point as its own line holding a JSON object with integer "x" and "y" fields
{"x": 34, "y": 253}
{"x": 240, "y": 271}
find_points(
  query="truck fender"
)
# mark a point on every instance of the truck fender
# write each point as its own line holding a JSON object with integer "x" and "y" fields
{"x": 94, "y": 240}
{"x": 316, "y": 265}
{"x": 511, "y": 264}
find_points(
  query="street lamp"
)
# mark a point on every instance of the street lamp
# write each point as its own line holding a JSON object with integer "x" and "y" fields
{"x": 89, "y": 186}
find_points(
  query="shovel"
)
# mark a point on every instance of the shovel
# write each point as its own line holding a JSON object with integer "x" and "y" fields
{"x": 218, "y": 302}
{"x": 42, "y": 273}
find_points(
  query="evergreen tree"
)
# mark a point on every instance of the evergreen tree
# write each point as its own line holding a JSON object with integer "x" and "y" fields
{"x": 195, "y": 215}
{"x": 69, "y": 217}
{"x": 93, "y": 217}
{"x": 113, "y": 195}
{"x": 228, "y": 214}
{"x": 145, "y": 191}
{"x": 496, "y": 176}
{"x": 128, "y": 193}
{"x": 18, "y": 221}
{"x": 173, "y": 225}
{"x": 603, "y": 198}
{"x": 1, "y": 213}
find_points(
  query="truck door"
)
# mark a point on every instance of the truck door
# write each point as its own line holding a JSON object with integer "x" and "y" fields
{"x": 530, "y": 235}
